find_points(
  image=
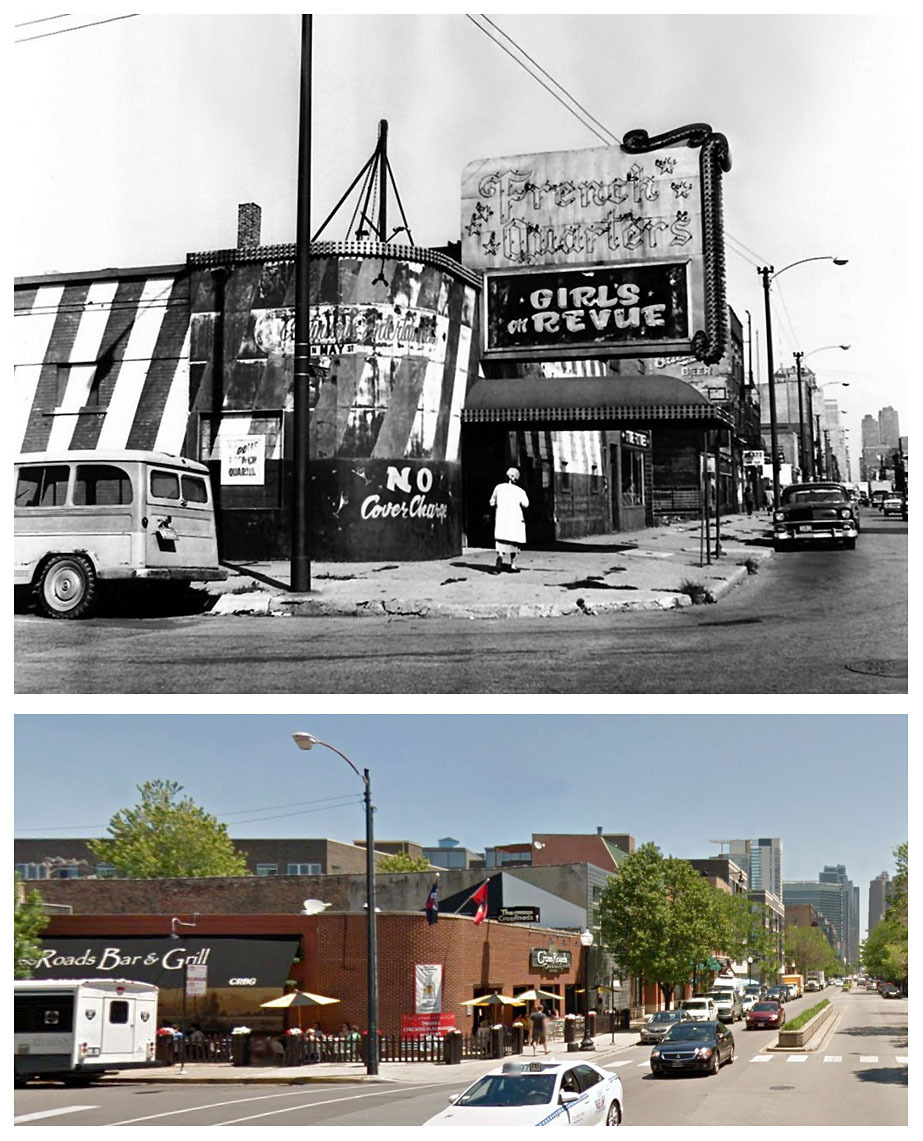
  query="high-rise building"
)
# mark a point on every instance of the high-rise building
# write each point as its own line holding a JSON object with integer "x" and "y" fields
{"x": 762, "y": 861}
{"x": 889, "y": 428}
{"x": 870, "y": 432}
{"x": 836, "y": 898}
{"x": 880, "y": 890}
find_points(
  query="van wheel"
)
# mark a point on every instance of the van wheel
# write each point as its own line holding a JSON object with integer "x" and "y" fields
{"x": 78, "y": 1081}
{"x": 67, "y": 587}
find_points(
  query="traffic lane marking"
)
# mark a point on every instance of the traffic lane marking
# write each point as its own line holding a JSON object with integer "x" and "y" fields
{"x": 833, "y": 1058}
{"x": 761, "y": 1058}
{"x": 330, "y": 1101}
{"x": 868, "y": 1057}
{"x": 797, "y": 1058}
{"x": 51, "y": 1113}
{"x": 242, "y": 1101}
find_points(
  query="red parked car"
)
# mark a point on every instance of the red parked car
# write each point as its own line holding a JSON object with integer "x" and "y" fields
{"x": 765, "y": 1014}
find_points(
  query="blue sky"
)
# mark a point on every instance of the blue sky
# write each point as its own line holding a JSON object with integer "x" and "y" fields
{"x": 833, "y": 787}
{"x": 145, "y": 134}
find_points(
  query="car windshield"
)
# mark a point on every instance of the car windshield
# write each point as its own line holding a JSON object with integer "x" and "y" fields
{"x": 690, "y": 1032}
{"x": 814, "y": 495}
{"x": 695, "y": 1004}
{"x": 766, "y": 1006}
{"x": 666, "y": 1016}
{"x": 510, "y": 1090}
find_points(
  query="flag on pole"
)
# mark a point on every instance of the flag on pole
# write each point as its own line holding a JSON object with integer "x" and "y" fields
{"x": 432, "y": 904}
{"x": 480, "y": 898}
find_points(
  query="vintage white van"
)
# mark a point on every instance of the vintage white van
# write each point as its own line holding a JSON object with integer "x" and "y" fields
{"x": 73, "y": 1030}
{"x": 82, "y": 517}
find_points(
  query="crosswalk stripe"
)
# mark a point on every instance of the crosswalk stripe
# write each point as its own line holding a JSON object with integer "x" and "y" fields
{"x": 761, "y": 1058}
{"x": 900, "y": 1059}
{"x": 646, "y": 1062}
{"x": 623, "y": 1062}
{"x": 833, "y": 1058}
{"x": 868, "y": 1058}
{"x": 797, "y": 1058}
{"x": 51, "y": 1113}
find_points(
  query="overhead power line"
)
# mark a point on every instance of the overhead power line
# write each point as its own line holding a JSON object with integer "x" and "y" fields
{"x": 42, "y": 20}
{"x": 542, "y": 83}
{"x": 76, "y": 28}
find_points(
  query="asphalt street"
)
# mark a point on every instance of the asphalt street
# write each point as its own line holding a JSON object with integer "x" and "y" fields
{"x": 856, "y": 1076}
{"x": 811, "y": 621}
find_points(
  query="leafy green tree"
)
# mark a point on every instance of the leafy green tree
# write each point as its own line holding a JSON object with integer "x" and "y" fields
{"x": 809, "y": 949}
{"x": 29, "y": 921}
{"x": 164, "y": 836}
{"x": 885, "y": 951}
{"x": 403, "y": 862}
{"x": 658, "y": 918}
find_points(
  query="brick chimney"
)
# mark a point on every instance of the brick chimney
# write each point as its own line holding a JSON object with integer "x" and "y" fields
{"x": 249, "y": 216}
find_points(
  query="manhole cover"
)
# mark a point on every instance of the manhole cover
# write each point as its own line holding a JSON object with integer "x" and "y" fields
{"x": 880, "y": 667}
{"x": 781, "y": 1087}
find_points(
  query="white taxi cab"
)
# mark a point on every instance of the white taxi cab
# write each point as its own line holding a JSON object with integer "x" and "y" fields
{"x": 546, "y": 1092}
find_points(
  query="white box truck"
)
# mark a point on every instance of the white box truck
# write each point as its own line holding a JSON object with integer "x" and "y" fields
{"x": 73, "y": 1030}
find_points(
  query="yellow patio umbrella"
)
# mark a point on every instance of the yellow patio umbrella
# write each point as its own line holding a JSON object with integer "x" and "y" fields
{"x": 493, "y": 1000}
{"x": 298, "y": 998}
{"x": 535, "y": 995}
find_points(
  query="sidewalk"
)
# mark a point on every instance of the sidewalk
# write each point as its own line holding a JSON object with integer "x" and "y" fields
{"x": 419, "y": 1073}
{"x": 641, "y": 570}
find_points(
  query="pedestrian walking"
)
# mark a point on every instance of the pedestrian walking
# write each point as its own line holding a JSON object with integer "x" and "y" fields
{"x": 510, "y": 502}
{"x": 748, "y": 500}
{"x": 539, "y": 1020}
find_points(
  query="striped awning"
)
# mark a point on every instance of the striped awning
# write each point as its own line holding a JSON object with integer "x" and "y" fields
{"x": 590, "y": 402}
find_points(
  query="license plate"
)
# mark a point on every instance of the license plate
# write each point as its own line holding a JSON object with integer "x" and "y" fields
{"x": 805, "y": 530}
{"x": 676, "y": 1063}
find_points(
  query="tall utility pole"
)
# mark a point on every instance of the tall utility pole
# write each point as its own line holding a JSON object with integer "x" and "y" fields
{"x": 767, "y": 273}
{"x": 301, "y": 396}
{"x": 805, "y": 467}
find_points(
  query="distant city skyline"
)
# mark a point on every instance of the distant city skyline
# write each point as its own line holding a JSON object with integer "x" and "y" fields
{"x": 490, "y": 779}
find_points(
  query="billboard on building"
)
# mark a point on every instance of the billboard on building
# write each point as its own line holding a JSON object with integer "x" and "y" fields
{"x": 610, "y": 251}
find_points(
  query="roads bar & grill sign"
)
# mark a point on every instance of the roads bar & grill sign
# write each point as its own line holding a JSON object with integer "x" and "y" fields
{"x": 606, "y": 252}
{"x": 549, "y": 960}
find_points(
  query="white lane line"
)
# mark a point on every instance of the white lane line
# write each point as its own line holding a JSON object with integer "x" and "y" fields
{"x": 900, "y": 1059}
{"x": 833, "y": 1058}
{"x": 244, "y": 1100}
{"x": 868, "y": 1058}
{"x": 311, "y": 1105}
{"x": 614, "y": 1065}
{"x": 761, "y": 1058}
{"x": 797, "y": 1058}
{"x": 646, "y": 1062}
{"x": 51, "y": 1113}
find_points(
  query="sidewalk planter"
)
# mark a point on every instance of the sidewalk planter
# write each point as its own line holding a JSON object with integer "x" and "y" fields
{"x": 294, "y": 1049}
{"x": 518, "y": 1038}
{"x": 240, "y": 1048}
{"x": 570, "y": 1031}
{"x": 793, "y": 1039}
{"x": 591, "y": 1018}
{"x": 496, "y": 1041}
{"x": 452, "y": 1048}
{"x": 165, "y": 1052}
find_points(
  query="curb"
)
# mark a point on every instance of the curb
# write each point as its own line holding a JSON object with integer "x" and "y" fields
{"x": 175, "y": 1079}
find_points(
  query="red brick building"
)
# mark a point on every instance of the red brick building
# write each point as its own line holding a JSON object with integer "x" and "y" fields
{"x": 250, "y": 957}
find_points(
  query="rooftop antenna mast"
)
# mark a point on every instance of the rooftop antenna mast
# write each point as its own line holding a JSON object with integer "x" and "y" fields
{"x": 370, "y": 217}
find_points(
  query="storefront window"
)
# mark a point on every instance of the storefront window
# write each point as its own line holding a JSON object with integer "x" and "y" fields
{"x": 632, "y": 478}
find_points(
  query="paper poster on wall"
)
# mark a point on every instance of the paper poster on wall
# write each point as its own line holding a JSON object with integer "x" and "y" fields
{"x": 243, "y": 460}
{"x": 428, "y": 988}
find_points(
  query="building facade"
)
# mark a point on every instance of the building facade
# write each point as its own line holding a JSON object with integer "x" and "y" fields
{"x": 762, "y": 861}
{"x": 880, "y": 892}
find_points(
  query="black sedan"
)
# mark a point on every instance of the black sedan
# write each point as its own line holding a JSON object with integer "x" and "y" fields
{"x": 890, "y": 992}
{"x": 700, "y": 1047}
{"x": 812, "y": 511}
{"x": 778, "y": 994}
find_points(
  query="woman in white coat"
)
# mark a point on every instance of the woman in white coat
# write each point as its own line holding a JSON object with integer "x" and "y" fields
{"x": 509, "y": 523}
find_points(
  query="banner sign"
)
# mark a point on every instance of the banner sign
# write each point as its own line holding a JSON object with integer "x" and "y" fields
{"x": 519, "y": 915}
{"x": 754, "y": 458}
{"x": 550, "y": 960}
{"x": 427, "y": 979}
{"x": 652, "y": 201}
{"x": 416, "y": 1024}
{"x": 261, "y": 961}
{"x": 570, "y": 308}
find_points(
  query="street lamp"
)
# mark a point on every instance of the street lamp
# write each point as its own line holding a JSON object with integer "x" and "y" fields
{"x": 174, "y": 923}
{"x": 768, "y": 273}
{"x": 586, "y": 941}
{"x": 810, "y": 451}
{"x": 307, "y": 741}
{"x": 749, "y": 969}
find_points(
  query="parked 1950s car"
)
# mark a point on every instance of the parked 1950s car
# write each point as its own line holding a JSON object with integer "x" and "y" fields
{"x": 812, "y": 511}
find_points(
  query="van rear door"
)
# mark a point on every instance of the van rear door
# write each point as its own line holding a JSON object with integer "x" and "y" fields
{"x": 181, "y": 521}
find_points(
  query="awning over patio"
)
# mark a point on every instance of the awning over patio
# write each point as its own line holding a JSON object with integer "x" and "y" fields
{"x": 581, "y": 402}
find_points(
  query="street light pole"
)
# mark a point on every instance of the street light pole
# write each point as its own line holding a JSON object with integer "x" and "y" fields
{"x": 307, "y": 741}
{"x": 801, "y": 450}
{"x": 586, "y": 941}
{"x": 174, "y": 923}
{"x": 768, "y": 273}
